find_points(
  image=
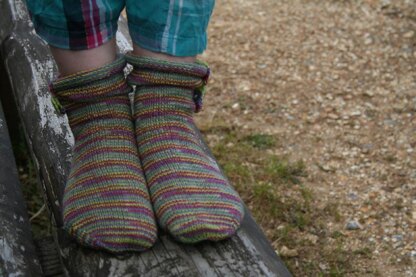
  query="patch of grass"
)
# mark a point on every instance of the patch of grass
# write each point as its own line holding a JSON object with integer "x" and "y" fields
{"x": 272, "y": 206}
{"x": 339, "y": 261}
{"x": 301, "y": 219}
{"x": 271, "y": 186}
{"x": 332, "y": 209}
{"x": 238, "y": 172}
{"x": 281, "y": 169}
{"x": 306, "y": 194}
{"x": 260, "y": 184}
{"x": 337, "y": 234}
{"x": 366, "y": 252}
{"x": 285, "y": 235}
{"x": 260, "y": 141}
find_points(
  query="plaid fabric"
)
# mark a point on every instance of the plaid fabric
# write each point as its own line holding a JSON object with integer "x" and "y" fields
{"x": 175, "y": 27}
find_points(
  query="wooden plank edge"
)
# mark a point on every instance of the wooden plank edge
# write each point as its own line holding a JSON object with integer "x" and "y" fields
{"x": 18, "y": 255}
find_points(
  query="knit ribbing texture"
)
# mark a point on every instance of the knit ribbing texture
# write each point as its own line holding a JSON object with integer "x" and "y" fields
{"x": 106, "y": 203}
{"x": 192, "y": 200}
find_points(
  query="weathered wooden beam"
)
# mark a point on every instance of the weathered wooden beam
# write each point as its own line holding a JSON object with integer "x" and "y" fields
{"x": 30, "y": 67}
{"x": 17, "y": 250}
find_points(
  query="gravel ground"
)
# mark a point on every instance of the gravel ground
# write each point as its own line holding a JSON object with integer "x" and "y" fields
{"x": 335, "y": 83}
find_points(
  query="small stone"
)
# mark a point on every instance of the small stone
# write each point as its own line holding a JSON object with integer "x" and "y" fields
{"x": 390, "y": 122}
{"x": 396, "y": 238}
{"x": 368, "y": 146}
{"x": 369, "y": 93}
{"x": 326, "y": 168}
{"x": 288, "y": 116}
{"x": 281, "y": 227}
{"x": 333, "y": 116}
{"x": 323, "y": 267}
{"x": 407, "y": 51}
{"x": 368, "y": 41}
{"x": 290, "y": 253}
{"x": 312, "y": 238}
{"x": 352, "y": 196}
{"x": 235, "y": 106}
{"x": 353, "y": 225}
{"x": 385, "y": 3}
{"x": 409, "y": 34}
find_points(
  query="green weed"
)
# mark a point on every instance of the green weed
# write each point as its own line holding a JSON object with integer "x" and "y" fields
{"x": 260, "y": 141}
{"x": 288, "y": 172}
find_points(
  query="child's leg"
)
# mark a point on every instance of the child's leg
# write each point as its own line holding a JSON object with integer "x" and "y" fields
{"x": 70, "y": 61}
{"x": 106, "y": 203}
{"x": 191, "y": 197}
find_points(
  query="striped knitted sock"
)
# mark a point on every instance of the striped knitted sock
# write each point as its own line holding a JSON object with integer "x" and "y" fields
{"x": 192, "y": 199}
{"x": 106, "y": 203}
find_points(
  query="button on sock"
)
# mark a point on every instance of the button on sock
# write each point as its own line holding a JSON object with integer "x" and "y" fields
{"x": 106, "y": 203}
{"x": 193, "y": 201}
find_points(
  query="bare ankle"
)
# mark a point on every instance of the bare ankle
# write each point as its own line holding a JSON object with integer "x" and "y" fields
{"x": 73, "y": 61}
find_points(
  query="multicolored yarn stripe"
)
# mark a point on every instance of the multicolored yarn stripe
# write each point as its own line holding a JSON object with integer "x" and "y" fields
{"x": 106, "y": 203}
{"x": 192, "y": 199}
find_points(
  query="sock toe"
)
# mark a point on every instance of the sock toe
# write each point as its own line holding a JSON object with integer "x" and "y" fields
{"x": 198, "y": 228}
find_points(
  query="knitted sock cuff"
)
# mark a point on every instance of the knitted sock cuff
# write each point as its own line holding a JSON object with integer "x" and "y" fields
{"x": 156, "y": 72}
{"x": 92, "y": 85}
{"x": 197, "y": 72}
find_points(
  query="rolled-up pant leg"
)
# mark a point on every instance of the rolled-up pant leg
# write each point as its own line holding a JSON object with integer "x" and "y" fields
{"x": 75, "y": 25}
{"x": 174, "y": 27}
